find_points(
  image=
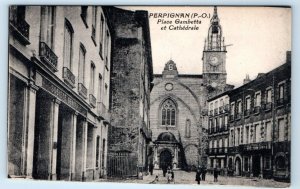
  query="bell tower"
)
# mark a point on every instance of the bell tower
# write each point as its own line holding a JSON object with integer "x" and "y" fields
{"x": 214, "y": 55}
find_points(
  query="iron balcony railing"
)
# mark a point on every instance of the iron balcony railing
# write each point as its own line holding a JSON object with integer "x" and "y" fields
{"x": 48, "y": 56}
{"x": 256, "y": 110}
{"x": 280, "y": 101}
{"x": 238, "y": 116}
{"x": 103, "y": 111}
{"x": 82, "y": 90}
{"x": 268, "y": 106}
{"x": 247, "y": 113}
{"x": 221, "y": 109}
{"x": 69, "y": 77}
{"x": 231, "y": 118}
{"x": 217, "y": 151}
{"x": 21, "y": 28}
{"x": 216, "y": 112}
{"x": 92, "y": 100}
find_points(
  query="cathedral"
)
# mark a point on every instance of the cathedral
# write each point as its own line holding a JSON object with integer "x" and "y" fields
{"x": 178, "y": 115}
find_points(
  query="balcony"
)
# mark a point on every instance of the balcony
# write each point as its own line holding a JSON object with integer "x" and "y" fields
{"x": 233, "y": 150}
{"x": 48, "y": 56}
{"x": 69, "y": 77}
{"x": 147, "y": 132}
{"x": 216, "y": 112}
{"x": 238, "y": 116}
{"x": 256, "y": 110}
{"x": 103, "y": 112}
{"x": 221, "y": 109}
{"x": 217, "y": 151}
{"x": 20, "y": 29}
{"x": 82, "y": 90}
{"x": 92, "y": 100}
{"x": 247, "y": 113}
{"x": 280, "y": 102}
{"x": 268, "y": 106}
{"x": 231, "y": 117}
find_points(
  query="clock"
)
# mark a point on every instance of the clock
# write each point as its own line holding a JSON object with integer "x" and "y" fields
{"x": 214, "y": 60}
{"x": 214, "y": 84}
{"x": 169, "y": 86}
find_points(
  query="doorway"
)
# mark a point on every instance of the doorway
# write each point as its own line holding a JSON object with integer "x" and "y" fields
{"x": 256, "y": 166}
{"x": 238, "y": 170}
{"x": 165, "y": 159}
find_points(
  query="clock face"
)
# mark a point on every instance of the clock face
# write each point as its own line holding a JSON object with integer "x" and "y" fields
{"x": 214, "y": 60}
{"x": 169, "y": 86}
{"x": 214, "y": 85}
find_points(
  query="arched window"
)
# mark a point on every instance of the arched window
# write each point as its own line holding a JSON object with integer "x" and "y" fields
{"x": 168, "y": 113}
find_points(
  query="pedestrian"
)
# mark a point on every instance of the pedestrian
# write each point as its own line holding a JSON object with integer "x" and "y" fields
{"x": 169, "y": 176}
{"x": 216, "y": 174}
{"x": 164, "y": 169}
{"x": 151, "y": 168}
{"x": 172, "y": 176}
{"x": 203, "y": 173}
{"x": 198, "y": 175}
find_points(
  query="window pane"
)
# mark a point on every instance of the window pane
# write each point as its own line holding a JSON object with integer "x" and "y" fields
{"x": 168, "y": 117}
{"x": 67, "y": 48}
{"x": 163, "y": 117}
{"x": 173, "y": 117}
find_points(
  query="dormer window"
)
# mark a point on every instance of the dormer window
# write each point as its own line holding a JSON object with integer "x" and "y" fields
{"x": 170, "y": 66}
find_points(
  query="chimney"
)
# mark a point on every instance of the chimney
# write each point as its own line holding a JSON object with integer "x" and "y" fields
{"x": 247, "y": 79}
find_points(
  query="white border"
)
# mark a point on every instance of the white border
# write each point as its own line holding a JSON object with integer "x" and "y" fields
{"x": 6, "y": 183}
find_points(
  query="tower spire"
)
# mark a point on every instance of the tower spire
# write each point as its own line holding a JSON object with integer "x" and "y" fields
{"x": 214, "y": 38}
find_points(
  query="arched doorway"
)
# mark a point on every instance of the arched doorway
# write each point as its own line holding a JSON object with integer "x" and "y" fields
{"x": 238, "y": 166}
{"x": 165, "y": 159}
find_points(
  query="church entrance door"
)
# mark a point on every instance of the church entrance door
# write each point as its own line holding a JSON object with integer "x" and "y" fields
{"x": 165, "y": 159}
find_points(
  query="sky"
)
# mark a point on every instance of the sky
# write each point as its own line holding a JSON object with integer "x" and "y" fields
{"x": 258, "y": 38}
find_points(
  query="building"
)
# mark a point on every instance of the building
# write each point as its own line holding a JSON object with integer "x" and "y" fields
{"x": 179, "y": 106}
{"x": 131, "y": 78}
{"x": 218, "y": 113}
{"x": 260, "y": 125}
{"x": 176, "y": 107}
{"x": 258, "y": 141}
{"x": 59, "y": 83}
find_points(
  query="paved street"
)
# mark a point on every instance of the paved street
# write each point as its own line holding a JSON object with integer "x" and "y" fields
{"x": 182, "y": 177}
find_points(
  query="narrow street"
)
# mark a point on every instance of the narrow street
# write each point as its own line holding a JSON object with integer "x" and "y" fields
{"x": 183, "y": 177}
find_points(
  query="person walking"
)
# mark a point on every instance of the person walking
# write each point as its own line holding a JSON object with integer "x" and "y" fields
{"x": 164, "y": 169}
{"x": 151, "y": 168}
{"x": 198, "y": 175}
{"x": 216, "y": 174}
{"x": 203, "y": 173}
{"x": 172, "y": 176}
{"x": 169, "y": 176}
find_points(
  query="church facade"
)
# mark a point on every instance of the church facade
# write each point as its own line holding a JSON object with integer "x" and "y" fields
{"x": 178, "y": 105}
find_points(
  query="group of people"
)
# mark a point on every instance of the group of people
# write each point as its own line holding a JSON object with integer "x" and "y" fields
{"x": 201, "y": 172}
{"x": 167, "y": 171}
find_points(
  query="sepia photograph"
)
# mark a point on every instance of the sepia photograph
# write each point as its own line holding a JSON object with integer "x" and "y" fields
{"x": 194, "y": 95}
